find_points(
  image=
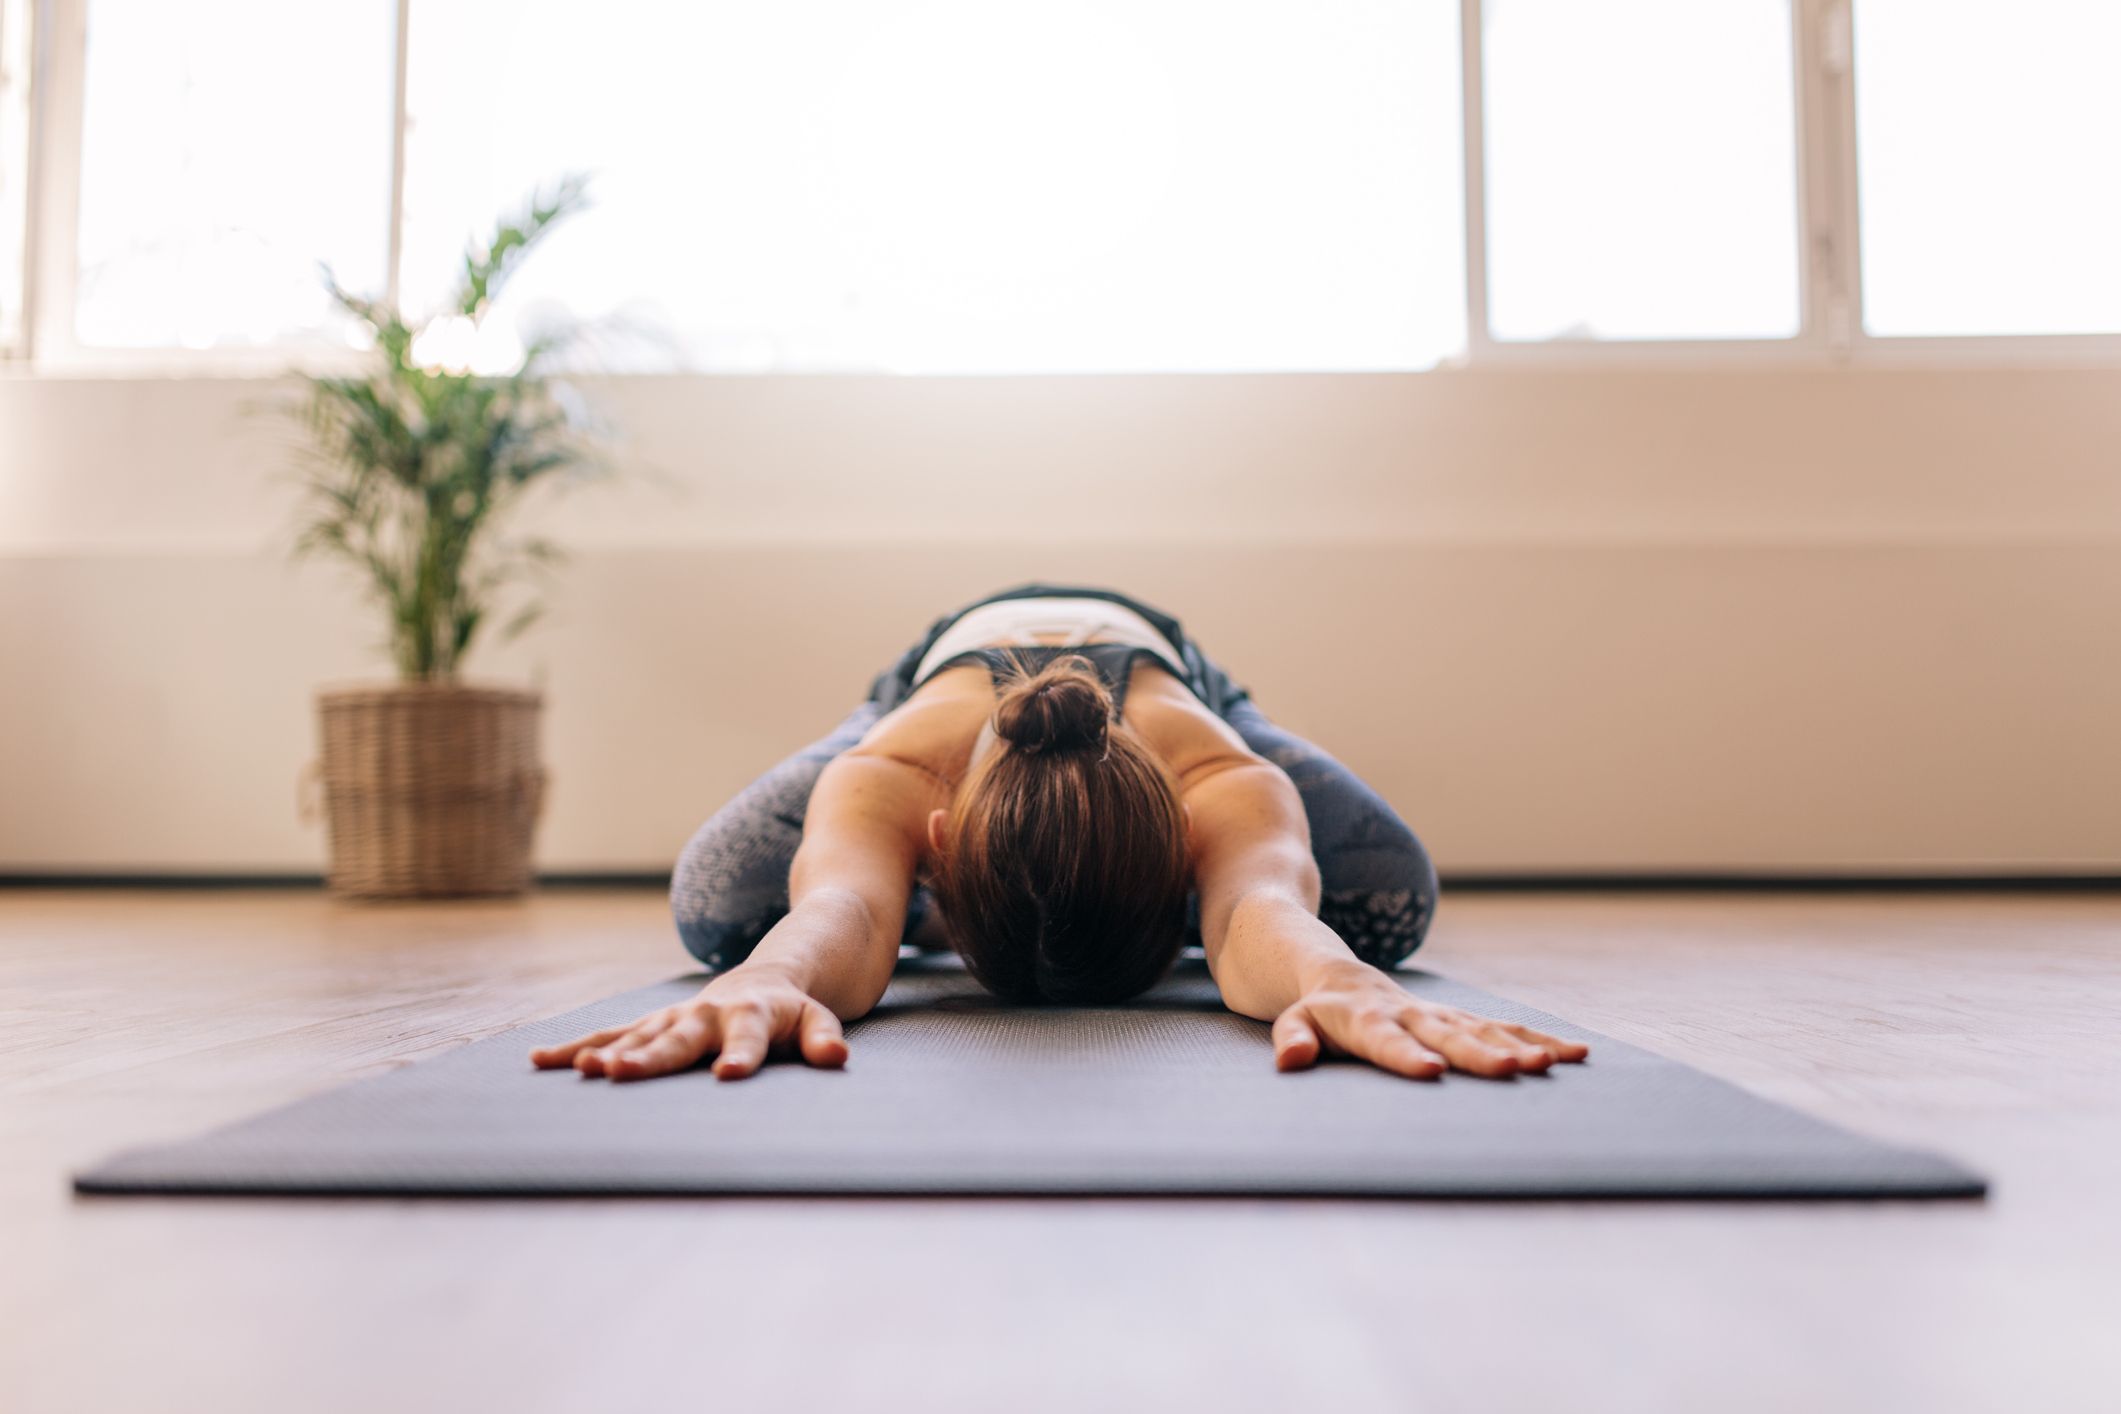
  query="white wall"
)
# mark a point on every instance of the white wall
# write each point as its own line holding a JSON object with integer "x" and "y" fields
{"x": 1792, "y": 619}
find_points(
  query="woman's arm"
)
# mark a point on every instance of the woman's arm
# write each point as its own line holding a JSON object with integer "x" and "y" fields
{"x": 827, "y": 960}
{"x": 1275, "y": 961}
{"x": 853, "y": 874}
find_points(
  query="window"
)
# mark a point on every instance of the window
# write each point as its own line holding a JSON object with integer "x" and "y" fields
{"x": 1989, "y": 161}
{"x": 1031, "y": 186}
{"x": 964, "y": 186}
{"x": 1641, "y": 169}
{"x": 228, "y": 146}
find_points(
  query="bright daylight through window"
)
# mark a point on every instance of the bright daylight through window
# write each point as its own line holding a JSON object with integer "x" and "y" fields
{"x": 965, "y": 186}
{"x": 1641, "y": 169}
{"x": 814, "y": 184}
{"x": 1990, "y": 185}
{"x": 228, "y": 146}
{"x": 997, "y": 186}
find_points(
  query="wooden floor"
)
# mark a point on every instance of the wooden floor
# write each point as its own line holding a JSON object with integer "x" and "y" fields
{"x": 1983, "y": 1025}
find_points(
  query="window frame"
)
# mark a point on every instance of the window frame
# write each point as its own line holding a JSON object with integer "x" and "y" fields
{"x": 1837, "y": 58}
{"x": 48, "y": 344}
{"x": 1830, "y": 330}
{"x": 1816, "y": 216}
{"x": 17, "y": 158}
{"x": 45, "y": 42}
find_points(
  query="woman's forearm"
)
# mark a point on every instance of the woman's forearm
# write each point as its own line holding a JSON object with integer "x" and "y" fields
{"x": 1272, "y": 950}
{"x": 1259, "y": 889}
{"x": 829, "y": 945}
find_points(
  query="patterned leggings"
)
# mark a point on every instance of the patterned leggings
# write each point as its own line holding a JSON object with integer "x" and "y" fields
{"x": 1378, "y": 886}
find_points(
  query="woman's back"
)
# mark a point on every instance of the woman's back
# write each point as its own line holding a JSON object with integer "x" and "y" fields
{"x": 937, "y": 727}
{"x": 1076, "y": 855}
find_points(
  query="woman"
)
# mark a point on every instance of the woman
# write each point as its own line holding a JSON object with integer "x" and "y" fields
{"x": 1058, "y": 783}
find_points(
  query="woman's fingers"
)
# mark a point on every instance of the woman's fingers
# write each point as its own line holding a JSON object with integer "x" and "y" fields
{"x": 1451, "y": 1039}
{"x": 555, "y": 1057}
{"x": 1563, "y": 1050}
{"x": 739, "y": 1035}
{"x": 677, "y": 1047}
{"x": 1296, "y": 1043}
{"x": 1388, "y": 1045}
{"x": 745, "y": 1038}
{"x": 819, "y": 1037}
{"x": 1418, "y": 1040}
{"x": 599, "y": 1060}
{"x": 1530, "y": 1057}
{"x": 590, "y": 1060}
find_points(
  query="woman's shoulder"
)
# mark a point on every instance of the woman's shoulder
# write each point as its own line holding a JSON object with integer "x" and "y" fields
{"x": 1175, "y": 724}
{"x": 935, "y": 727}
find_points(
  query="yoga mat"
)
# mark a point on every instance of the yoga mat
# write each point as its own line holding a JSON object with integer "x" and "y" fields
{"x": 947, "y": 1091}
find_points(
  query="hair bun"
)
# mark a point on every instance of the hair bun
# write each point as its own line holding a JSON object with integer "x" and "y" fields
{"x": 1062, "y": 707}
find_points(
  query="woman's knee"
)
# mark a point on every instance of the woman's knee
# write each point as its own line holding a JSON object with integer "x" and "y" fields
{"x": 730, "y": 885}
{"x": 1377, "y": 883}
{"x": 1380, "y": 896}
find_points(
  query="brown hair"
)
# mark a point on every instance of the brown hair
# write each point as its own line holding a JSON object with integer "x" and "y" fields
{"x": 1064, "y": 878}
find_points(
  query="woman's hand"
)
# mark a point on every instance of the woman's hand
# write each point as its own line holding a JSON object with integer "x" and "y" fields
{"x": 738, "y": 1018}
{"x": 1356, "y": 1010}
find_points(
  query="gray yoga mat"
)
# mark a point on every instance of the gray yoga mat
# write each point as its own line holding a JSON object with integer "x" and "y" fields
{"x": 948, "y": 1092}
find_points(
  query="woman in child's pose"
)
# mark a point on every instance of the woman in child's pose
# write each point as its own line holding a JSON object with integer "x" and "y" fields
{"x": 1059, "y": 784}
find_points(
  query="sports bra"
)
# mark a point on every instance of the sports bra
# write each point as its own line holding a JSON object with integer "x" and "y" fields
{"x": 952, "y": 638}
{"x": 1114, "y": 663}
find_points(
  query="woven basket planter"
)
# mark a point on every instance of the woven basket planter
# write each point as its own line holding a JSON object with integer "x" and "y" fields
{"x": 430, "y": 789}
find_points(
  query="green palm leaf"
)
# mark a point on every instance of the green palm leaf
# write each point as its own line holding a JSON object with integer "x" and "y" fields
{"x": 412, "y": 472}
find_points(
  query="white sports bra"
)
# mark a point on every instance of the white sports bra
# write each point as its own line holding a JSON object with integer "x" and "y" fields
{"x": 1017, "y": 623}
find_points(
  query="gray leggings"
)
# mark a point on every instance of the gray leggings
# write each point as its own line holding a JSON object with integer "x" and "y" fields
{"x": 1378, "y": 886}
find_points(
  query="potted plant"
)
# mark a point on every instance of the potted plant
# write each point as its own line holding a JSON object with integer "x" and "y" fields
{"x": 416, "y": 467}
